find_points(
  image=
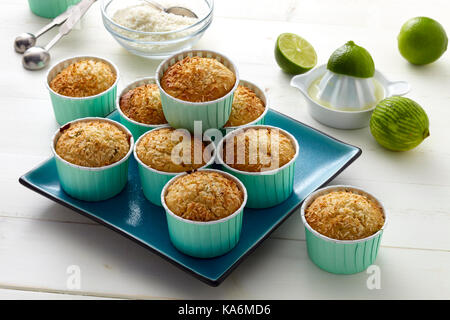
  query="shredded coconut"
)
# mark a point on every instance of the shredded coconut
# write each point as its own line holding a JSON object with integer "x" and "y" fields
{"x": 148, "y": 19}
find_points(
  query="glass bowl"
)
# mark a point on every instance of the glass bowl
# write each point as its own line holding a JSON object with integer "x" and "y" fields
{"x": 158, "y": 45}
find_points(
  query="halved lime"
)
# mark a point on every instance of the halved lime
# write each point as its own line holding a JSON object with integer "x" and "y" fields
{"x": 352, "y": 60}
{"x": 294, "y": 54}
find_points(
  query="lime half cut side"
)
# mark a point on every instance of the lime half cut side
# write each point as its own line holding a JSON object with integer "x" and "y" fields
{"x": 294, "y": 54}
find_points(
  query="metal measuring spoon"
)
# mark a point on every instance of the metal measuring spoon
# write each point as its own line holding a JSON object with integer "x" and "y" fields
{"x": 26, "y": 40}
{"x": 180, "y": 11}
{"x": 36, "y": 58}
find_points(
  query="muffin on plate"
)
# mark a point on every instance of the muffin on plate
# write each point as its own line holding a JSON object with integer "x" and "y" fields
{"x": 143, "y": 104}
{"x": 92, "y": 156}
{"x": 345, "y": 215}
{"x": 263, "y": 158}
{"x": 84, "y": 78}
{"x": 256, "y": 149}
{"x": 197, "y": 79}
{"x": 156, "y": 150}
{"x": 197, "y": 88}
{"x": 204, "y": 196}
{"x": 92, "y": 143}
{"x": 204, "y": 211}
{"x": 343, "y": 228}
{"x": 139, "y": 107}
{"x": 164, "y": 152}
{"x": 82, "y": 87}
{"x": 247, "y": 107}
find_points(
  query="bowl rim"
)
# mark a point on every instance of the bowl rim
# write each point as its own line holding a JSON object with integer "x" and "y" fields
{"x": 76, "y": 59}
{"x": 322, "y": 191}
{"x": 227, "y": 175}
{"x": 106, "y": 3}
{"x": 194, "y": 53}
{"x": 260, "y": 173}
{"x": 120, "y": 126}
{"x": 147, "y": 167}
{"x": 265, "y": 99}
{"x": 145, "y": 80}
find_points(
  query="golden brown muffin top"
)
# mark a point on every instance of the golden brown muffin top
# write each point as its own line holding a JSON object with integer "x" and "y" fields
{"x": 198, "y": 79}
{"x": 84, "y": 78}
{"x": 258, "y": 149}
{"x": 246, "y": 108}
{"x": 92, "y": 143}
{"x": 156, "y": 150}
{"x": 204, "y": 196}
{"x": 345, "y": 215}
{"x": 143, "y": 104}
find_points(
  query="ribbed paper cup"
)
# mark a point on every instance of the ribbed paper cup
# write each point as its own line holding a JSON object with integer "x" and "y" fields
{"x": 260, "y": 94}
{"x": 205, "y": 239}
{"x": 341, "y": 256}
{"x": 267, "y": 188}
{"x": 152, "y": 180}
{"x": 67, "y": 109}
{"x": 136, "y": 128}
{"x": 50, "y": 8}
{"x": 183, "y": 114}
{"x": 92, "y": 184}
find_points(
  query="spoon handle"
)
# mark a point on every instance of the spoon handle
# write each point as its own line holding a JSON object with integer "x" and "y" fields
{"x": 75, "y": 15}
{"x": 156, "y": 5}
{"x": 55, "y": 22}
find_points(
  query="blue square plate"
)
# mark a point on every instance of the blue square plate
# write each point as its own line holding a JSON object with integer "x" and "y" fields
{"x": 321, "y": 159}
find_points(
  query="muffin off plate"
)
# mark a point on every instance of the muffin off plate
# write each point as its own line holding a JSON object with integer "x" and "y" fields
{"x": 267, "y": 188}
{"x": 205, "y": 239}
{"x": 50, "y": 8}
{"x": 67, "y": 109}
{"x": 183, "y": 114}
{"x": 88, "y": 183}
{"x": 341, "y": 256}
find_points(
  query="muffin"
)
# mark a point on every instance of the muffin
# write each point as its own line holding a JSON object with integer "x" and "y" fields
{"x": 92, "y": 158}
{"x": 198, "y": 79}
{"x": 257, "y": 149}
{"x": 143, "y": 104}
{"x": 264, "y": 159}
{"x": 204, "y": 196}
{"x": 156, "y": 150}
{"x": 345, "y": 215}
{"x": 343, "y": 228}
{"x": 246, "y": 108}
{"x": 84, "y": 78}
{"x": 92, "y": 143}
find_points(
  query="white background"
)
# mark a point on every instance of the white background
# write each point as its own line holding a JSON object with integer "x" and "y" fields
{"x": 40, "y": 239}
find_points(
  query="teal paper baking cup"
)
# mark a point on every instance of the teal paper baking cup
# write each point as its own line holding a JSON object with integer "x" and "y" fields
{"x": 136, "y": 128}
{"x": 183, "y": 114}
{"x": 152, "y": 180}
{"x": 341, "y": 256}
{"x": 67, "y": 109}
{"x": 50, "y": 8}
{"x": 260, "y": 94}
{"x": 267, "y": 188}
{"x": 92, "y": 184}
{"x": 205, "y": 239}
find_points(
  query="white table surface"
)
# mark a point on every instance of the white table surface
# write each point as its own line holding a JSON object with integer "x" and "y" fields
{"x": 40, "y": 239}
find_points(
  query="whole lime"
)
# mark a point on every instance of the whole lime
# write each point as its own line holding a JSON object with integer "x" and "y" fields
{"x": 294, "y": 54}
{"x": 399, "y": 124}
{"x": 422, "y": 40}
{"x": 352, "y": 60}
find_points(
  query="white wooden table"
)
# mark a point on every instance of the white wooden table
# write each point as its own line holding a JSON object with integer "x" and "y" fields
{"x": 40, "y": 240}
